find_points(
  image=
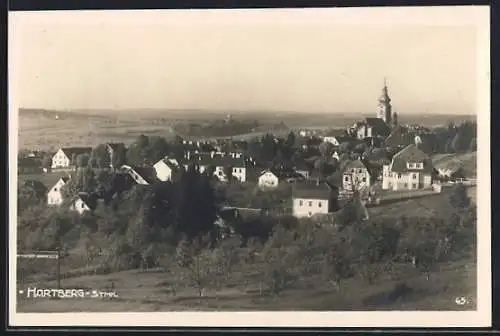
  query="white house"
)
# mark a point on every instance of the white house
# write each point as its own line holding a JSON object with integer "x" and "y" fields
{"x": 268, "y": 179}
{"x": 409, "y": 169}
{"x": 271, "y": 178}
{"x": 63, "y": 157}
{"x": 54, "y": 196}
{"x": 336, "y": 156}
{"x": 82, "y": 202}
{"x": 165, "y": 167}
{"x": 311, "y": 199}
{"x": 355, "y": 176}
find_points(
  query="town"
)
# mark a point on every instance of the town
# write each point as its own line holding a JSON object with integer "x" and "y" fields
{"x": 122, "y": 207}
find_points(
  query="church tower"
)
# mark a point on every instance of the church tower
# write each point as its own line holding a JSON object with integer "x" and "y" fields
{"x": 384, "y": 108}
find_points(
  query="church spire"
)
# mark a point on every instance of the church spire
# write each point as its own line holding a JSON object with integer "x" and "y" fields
{"x": 384, "y": 105}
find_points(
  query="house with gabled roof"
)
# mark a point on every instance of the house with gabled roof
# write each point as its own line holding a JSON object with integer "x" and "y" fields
{"x": 83, "y": 202}
{"x": 54, "y": 196}
{"x": 63, "y": 157}
{"x": 355, "y": 176}
{"x": 166, "y": 167}
{"x": 409, "y": 169}
{"x": 309, "y": 199}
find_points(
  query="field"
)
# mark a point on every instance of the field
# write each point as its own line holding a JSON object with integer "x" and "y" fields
{"x": 152, "y": 291}
{"x": 426, "y": 206}
{"x": 41, "y": 130}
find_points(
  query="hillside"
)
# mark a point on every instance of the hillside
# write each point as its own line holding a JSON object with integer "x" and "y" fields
{"x": 153, "y": 291}
{"x": 468, "y": 162}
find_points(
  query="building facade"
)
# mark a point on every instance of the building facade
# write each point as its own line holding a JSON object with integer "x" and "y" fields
{"x": 410, "y": 169}
{"x": 355, "y": 176}
{"x": 54, "y": 196}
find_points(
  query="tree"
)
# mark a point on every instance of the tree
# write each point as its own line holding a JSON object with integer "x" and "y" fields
{"x": 336, "y": 265}
{"x": 47, "y": 161}
{"x": 197, "y": 263}
{"x": 158, "y": 148}
{"x": 326, "y": 149}
{"x": 345, "y": 147}
{"x": 458, "y": 198}
{"x": 30, "y": 193}
{"x": 82, "y": 160}
{"x": 119, "y": 156}
{"x": 360, "y": 148}
{"x": 281, "y": 261}
{"x": 226, "y": 256}
{"x": 99, "y": 157}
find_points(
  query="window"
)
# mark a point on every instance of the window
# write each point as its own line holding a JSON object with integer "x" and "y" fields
{"x": 360, "y": 170}
{"x": 55, "y": 189}
{"x": 310, "y": 203}
{"x": 301, "y": 203}
{"x": 406, "y": 185}
{"x": 399, "y": 175}
{"x": 364, "y": 179}
{"x": 414, "y": 186}
{"x": 319, "y": 204}
{"x": 346, "y": 178}
{"x": 414, "y": 176}
{"x": 310, "y": 214}
{"x": 83, "y": 205}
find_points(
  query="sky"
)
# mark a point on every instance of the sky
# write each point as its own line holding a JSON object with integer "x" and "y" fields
{"x": 321, "y": 61}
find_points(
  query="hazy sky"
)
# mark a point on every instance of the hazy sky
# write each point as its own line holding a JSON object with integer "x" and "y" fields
{"x": 254, "y": 60}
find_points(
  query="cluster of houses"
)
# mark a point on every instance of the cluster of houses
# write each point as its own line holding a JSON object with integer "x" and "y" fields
{"x": 411, "y": 168}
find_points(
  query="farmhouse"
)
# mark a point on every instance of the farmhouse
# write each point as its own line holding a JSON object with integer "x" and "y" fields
{"x": 355, "y": 176}
{"x": 64, "y": 157}
{"x": 409, "y": 169}
{"x": 309, "y": 199}
{"x": 54, "y": 196}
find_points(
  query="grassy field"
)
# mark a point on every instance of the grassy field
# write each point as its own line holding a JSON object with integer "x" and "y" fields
{"x": 426, "y": 206}
{"x": 152, "y": 291}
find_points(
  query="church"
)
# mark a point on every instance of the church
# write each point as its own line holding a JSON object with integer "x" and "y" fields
{"x": 381, "y": 125}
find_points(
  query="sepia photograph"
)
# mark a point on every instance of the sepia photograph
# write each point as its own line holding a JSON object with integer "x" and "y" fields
{"x": 250, "y": 167}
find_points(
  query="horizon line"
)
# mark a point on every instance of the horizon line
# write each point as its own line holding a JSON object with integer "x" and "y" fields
{"x": 226, "y": 111}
